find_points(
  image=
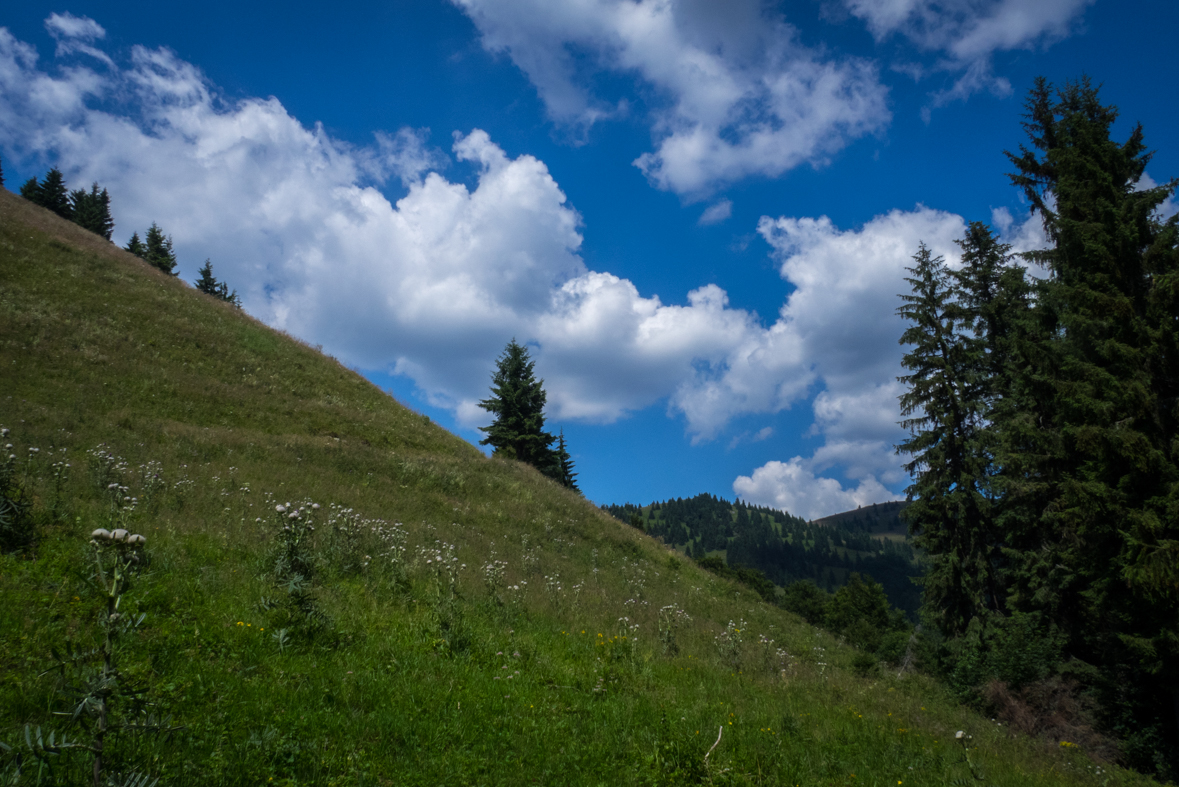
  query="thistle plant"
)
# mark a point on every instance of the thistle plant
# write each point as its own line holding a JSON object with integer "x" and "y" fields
{"x": 293, "y": 572}
{"x": 442, "y": 566}
{"x": 122, "y": 505}
{"x": 59, "y": 476}
{"x": 530, "y": 559}
{"x": 493, "y": 576}
{"x": 728, "y": 644}
{"x": 151, "y": 480}
{"x": 774, "y": 659}
{"x": 104, "y": 700}
{"x": 106, "y": 468}
{"x": 963, "y": 740}
{"x": 671, "y": 617}
{"x": 392, "y": 539}
{"x": 554, "y": 590}
{"x": 294, "y": 556}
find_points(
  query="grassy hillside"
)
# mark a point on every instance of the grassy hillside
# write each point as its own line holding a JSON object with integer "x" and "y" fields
{"x": 466, "y": 621}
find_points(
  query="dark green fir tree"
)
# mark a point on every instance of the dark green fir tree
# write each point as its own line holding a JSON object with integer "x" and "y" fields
{"x": 52, "y": 194}
{"x": 158, "y": 250}
{"x": 944, "y": 407}
{"x": 31, "y": 190}
{"x": 517, "y": 401}
{"x": 92, "y": 210}
{"x": 136, "y": 247}
{"x": 565, "y": 475}
{"x": 208, "y": 284}
{"x": 1103, "y": 560}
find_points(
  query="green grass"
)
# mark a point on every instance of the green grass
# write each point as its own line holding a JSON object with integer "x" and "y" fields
{"x": 404, "y": 684}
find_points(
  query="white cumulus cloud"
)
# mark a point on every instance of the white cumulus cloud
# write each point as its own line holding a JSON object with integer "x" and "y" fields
{"x": 431, "y": 287}
{"x": 857, "y": 275}
{"x": 793, "y": 486}
{"x": 735, "y": 93}
{"x": 434, "y": 285}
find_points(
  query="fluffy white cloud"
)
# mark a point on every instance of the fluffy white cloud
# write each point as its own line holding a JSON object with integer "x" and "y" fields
{"x": 793, "y": 486}
{"x": 736, "y": 93}
{"x": 967, "y": 32}
{"x": 856, "y": 274}
{"x": 434, "y": 285}
{"x": 431, "y": 287}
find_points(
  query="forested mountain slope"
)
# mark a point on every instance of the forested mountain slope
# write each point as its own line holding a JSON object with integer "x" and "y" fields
{"x": 786, "y": 548}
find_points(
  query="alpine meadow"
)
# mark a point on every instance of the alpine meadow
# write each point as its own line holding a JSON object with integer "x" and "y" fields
{"x": 333, "y": 590}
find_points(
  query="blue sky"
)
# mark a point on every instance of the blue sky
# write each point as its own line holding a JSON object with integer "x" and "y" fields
{"x": 697, "y": 214}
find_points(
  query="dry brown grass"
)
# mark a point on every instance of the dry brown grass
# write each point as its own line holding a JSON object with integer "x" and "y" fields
{"x": 1052, "y": 710}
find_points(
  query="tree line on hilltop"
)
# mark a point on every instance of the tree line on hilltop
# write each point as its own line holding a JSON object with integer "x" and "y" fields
{"x": 1043, "y": 444}
{"x": 91, "y": 210}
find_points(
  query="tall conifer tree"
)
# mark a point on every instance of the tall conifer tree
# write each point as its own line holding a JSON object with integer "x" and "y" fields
{"x": 157, "y": 250}
{"x": 564, "y": 464}
{"x": 53, "y": 195}
{"x": 1109, "y": 531}
{"x": 92, "y": 210}
{"x": 944, "y": 408}
{"x": 517, "y": 400}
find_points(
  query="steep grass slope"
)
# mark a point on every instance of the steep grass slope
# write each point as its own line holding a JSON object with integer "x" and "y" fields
{"x": 465, "y": 622}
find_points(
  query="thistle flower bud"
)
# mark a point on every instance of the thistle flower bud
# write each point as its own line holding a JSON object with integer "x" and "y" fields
{"x": 136, "y": 540}
{"x": 112, "y": 486}
{"x": 959, "y": 735}
{"x": 280, "y": 508}
{"x": 315, "y": 506}
{"x": 293, "y": 515}
{"x": 119, "y": 535}
{"x": 101, "y": 534}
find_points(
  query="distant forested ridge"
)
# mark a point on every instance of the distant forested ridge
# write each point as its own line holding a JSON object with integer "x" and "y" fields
{"x": 787, "y": 548}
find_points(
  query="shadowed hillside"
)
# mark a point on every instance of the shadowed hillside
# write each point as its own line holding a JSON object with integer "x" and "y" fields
{"x": 785, "y": 548}
{"x": 882, "y": 519}
{"x": 335, "y": 591}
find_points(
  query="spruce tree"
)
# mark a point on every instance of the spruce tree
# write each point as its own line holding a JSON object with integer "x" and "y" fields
{"x": 53, "y": 195}
{"x": 944, "y": 409}
{"x": 1, "y": 173}
{"x": 92, "y": 210}
{"x": 1106, "y": 565}
{"x": 135, "y": 246}
{"x": 209, "y": 285}
{"x": 31, "y": 190}
{"x": 157, "y": 250}
{"x": 517, "y": 401}
{"x": 564, "y": 464}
